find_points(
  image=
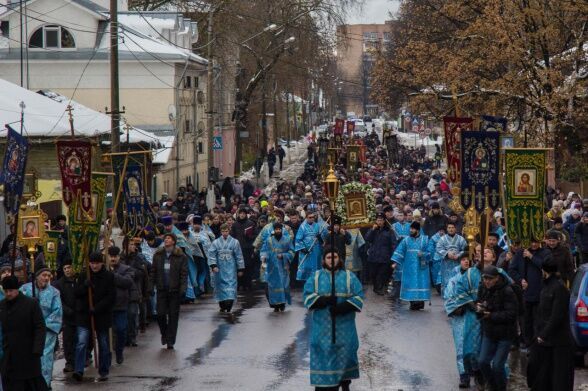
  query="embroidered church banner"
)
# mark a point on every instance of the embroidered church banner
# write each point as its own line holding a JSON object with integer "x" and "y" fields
{"x": 13, "y": 169}
{"x": 75, "y": 163}
{"x": 525, "y": 192}
{"x": 84, "y": 227}
{"x": 453, "y": 127}
{"x": 479, "y": 170}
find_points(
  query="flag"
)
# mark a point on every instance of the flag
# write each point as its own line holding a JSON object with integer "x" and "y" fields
{"x": 136, "y": 203}
{"x": 453, "y": 127}
{"x": 75, "y": 163}
{"x": 13, "y": 169}
{"x": 479, "y": 170}
{"x": 525, "y": 192}
{"x": 490, "y": 123}
{"x": 86, "y": 225}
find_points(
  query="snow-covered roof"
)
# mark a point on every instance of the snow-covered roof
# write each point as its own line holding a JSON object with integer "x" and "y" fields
{"x": 140, "y": 45}
{"x": 162, "y": 155}
{"x": 45, "y": 116}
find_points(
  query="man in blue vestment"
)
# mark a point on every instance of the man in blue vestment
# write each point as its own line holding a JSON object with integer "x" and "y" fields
{"x": 308, "y": 242}
{"x": 435, "y": 262}
{"x": 50, "y": 303}
{"x": 226, "y": 263}
{"x": 203, "y": 242}
{"x": 333, "y": 365}
{"x": 276, "y": 254}
{"x": 449, "y": 249}
{"x": 413, "y": 256}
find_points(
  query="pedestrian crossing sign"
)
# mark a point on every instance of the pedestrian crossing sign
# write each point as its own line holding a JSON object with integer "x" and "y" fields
{"x": 217, "y": 143}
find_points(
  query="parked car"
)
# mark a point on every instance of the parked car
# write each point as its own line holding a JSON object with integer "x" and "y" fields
{"x": 578, "y": 312}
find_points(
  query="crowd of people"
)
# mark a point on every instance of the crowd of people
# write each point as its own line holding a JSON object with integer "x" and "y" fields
{"x": 237, "y": 237}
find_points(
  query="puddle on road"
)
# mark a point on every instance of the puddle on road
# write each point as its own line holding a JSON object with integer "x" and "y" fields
{"x": 292, "y": 357}
{"x": 247, "y": 301}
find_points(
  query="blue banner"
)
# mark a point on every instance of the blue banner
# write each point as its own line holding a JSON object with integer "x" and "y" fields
{"x": 134, "y": 196}
{"x": 479, "y": 170}
{"x": 13, "y": 169}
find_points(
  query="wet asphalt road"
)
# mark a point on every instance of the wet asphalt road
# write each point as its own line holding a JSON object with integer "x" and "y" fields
{"x": 257, "y": 349}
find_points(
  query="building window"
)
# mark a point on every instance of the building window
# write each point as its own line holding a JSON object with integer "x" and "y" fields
{"x": 52, "y": 37}
{"x": 200, "y": 147}
{"x": 386, "y": 36}
{"x": 187, "y": 126}
{"x": 188, "y": 82}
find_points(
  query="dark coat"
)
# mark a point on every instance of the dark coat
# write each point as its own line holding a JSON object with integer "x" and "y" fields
{"x": 67, "y": 291}
{"x": 530, "y": 270}
{"x": 244, "y": 232}
{"x": 23, "y": 329}
{"x": 581, "y": 237}
{"x": 103, "y": 297}
{"x": 502, "y": 304}
{"x": 434, "y": 223}
{"x": 341, "y": 241}
{"x": 178, "y": 273}
{"x": 565, "y": 263}
{"x": 552, "y": 323}
{"x": 123, "y": 281}
{"x": 382, "y": 244}
{"x": 141, "y": 269}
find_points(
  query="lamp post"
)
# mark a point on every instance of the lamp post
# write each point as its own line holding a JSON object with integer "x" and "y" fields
{"x": 331, "y": 188}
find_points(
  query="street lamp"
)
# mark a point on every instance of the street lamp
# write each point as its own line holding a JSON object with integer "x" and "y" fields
{"x": 331, "y": 188}
{"x": 271, "y": 27}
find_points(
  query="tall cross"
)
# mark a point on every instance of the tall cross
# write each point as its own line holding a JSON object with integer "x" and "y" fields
{"x": 69, "y": 109}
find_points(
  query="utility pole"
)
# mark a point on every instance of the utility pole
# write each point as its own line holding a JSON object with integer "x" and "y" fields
{"x": 210, "y": 97}
{"x": 288, "y": 122}
{"x": 114, "y": 85}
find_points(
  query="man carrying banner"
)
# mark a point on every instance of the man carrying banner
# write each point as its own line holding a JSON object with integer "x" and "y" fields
{"x": 413, "y": 256}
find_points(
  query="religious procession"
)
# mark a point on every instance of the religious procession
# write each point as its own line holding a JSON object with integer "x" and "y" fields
{"x": 290, "y": 195}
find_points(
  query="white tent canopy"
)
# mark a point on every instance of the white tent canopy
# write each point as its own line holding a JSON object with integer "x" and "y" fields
{"x": 45, "y": 115}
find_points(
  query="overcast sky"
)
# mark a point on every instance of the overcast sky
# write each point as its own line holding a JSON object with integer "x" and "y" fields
{"x": 374, "y": 11}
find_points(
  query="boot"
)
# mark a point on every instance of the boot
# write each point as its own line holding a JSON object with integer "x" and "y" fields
{"x": 464, "y": 381}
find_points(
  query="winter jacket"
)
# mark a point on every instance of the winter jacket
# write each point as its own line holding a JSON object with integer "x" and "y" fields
{"x": 341, "y": 241}
{"x": 565, "y": 263}
{"x": 530, "y": 270}
{"x": 552, "y": 323}
{"x": 23, "y": 330}
{"x": 67, "y": 291}
{"x": 581, "y": 237}
{"x": 434, "y": 223}
{"x": 178, "y": 273}
{"x": 502, "y": 304}
{"x": 140, "y": 268}
{"x": 244, "y": 232}
{"x": 123, "y": 281}
{"x": 382, "y": 244}
{"x": 103, "y": 298}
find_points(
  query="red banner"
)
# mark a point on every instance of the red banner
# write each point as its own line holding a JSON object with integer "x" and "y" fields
{"x": 75, "y": 163}
{"x": 339, "y": 122}
{"x": 453, "y": 127}
{"x": 350, "y": 127}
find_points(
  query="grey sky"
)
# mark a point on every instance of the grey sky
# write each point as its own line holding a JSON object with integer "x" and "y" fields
{"x": 373, "y": 11}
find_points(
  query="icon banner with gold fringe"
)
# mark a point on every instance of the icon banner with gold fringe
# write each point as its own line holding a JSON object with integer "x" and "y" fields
{"x": 525, "y": 193}
{"x": 86, "y": 225}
